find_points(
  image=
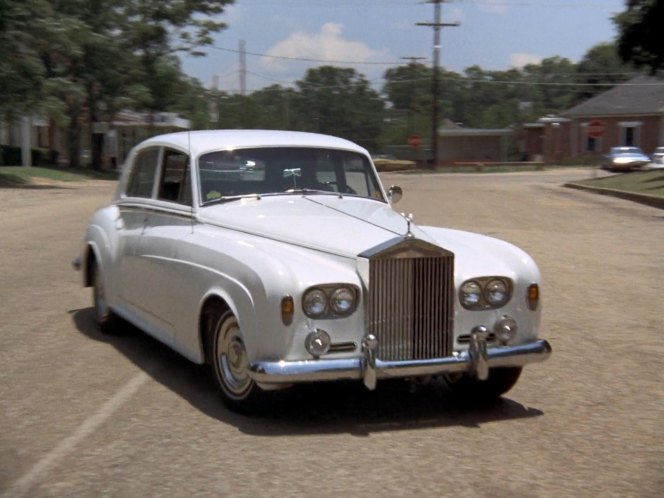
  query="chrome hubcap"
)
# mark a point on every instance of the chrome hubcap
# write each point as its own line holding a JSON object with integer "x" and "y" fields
{"x": 232, "y": 361}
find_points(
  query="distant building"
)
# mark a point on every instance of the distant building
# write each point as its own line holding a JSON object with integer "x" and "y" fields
{"x": 126, "y": 130}
{"x": 631, "y": 113}
{"x": 130, "y": 127}
{"x": 459, "y": 144}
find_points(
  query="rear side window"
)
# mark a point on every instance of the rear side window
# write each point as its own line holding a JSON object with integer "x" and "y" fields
{"x": 175, "y": 185}
{"x": 141, "y": 179}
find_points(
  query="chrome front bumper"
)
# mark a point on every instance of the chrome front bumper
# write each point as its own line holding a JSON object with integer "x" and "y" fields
{"x": 477, "y": 360}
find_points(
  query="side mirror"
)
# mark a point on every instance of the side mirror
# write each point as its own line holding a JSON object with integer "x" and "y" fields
{"x": 394, "y": 194}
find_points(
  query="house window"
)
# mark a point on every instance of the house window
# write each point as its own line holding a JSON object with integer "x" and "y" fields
{"x": 629, "y": 136}
{"x": 630, "y": 133}
{"x": 592, "y": 144}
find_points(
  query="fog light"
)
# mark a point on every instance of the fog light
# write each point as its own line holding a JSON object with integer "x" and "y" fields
{"x": 505, "y": 329}
{"x": 317, "y": 343}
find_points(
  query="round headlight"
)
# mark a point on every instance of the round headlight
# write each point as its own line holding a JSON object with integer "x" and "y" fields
{"x": 343, "y": 301}
{"x": 314, "y": 302}
{"x": 470, "y": 294}
{"x": 497, "y": 292}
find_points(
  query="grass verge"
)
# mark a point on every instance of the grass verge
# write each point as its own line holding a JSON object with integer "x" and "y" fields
{"x": 16, "y": 176}
{"x": 638, "y": 182}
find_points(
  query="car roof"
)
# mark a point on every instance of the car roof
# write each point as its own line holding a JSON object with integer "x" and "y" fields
{"x": 202, "y": 141}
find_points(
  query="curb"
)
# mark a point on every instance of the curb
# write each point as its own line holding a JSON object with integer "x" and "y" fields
{"x": 649, "y": 200}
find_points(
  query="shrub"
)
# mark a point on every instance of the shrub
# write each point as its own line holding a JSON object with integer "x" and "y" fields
{"x": 10, "y": 155}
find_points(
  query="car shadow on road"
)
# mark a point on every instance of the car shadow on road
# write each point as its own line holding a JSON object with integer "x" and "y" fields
{"x": 343, "y": 407}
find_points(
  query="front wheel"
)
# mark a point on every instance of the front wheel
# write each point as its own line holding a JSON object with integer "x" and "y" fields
{"x": 499, "y": 382}
{"x": 107, "y": 320}
{"x": 230, "y": 366}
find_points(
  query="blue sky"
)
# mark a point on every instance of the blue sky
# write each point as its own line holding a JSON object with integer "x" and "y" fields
{"x": 376, "y": 34}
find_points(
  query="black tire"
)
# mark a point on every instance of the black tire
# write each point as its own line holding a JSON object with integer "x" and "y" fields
{"x": 230, "y": 368}
{"x": 108, "y": 321}
{"x": 499, "y": 382}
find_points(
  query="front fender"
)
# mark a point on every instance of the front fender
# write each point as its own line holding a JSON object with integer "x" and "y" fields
{"x": 479, "y": 255}
{"x": 252, "y": 275}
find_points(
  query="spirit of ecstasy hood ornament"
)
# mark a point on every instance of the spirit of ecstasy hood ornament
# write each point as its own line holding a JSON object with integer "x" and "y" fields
{"x": 409, "y": 220}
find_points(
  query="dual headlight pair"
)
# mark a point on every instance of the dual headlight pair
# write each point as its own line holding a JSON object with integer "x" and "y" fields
{"x": 330, "y": 301}
{"x": 485, "y": 293}
{"x": 340, "y": 300}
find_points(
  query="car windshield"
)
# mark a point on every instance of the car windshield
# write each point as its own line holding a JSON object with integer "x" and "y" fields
{"x": 627, "y": 150}
{"x": 231, "y": 174}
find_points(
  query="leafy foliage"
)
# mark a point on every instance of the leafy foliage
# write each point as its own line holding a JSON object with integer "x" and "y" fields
{"x": 71, "y": 57}
{"x": 78, "y": 61}
{"x": 641, "y": 38}
{"x": 340, "y": 102}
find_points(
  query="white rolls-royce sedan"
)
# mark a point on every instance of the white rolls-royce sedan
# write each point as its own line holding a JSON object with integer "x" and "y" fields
{"x": 276, "y": 258}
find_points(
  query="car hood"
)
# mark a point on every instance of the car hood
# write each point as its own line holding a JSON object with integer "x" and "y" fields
{"x": 345, "y": 226}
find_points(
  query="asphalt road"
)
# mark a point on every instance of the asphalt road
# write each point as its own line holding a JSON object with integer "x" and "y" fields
{"x": 88, "y": 415}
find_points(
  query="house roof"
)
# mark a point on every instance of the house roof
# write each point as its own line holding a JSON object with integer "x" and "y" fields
{"x": 642, "y": 95}
{"x": 451, "y": 129}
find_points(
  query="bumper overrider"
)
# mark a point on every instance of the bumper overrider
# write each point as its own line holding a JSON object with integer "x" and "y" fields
{"x": 477, "y": 360}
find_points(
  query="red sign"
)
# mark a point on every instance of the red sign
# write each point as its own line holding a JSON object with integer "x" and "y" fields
{"x": 414, "y": 141}
{"x": 595, "y": 129}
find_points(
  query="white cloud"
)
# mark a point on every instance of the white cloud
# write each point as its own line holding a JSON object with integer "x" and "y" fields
{"x": 456, "y": 15}
{"x": 328, "y": 45}
{"x": 519, "y": 61}
{"x": 495, "y": 6}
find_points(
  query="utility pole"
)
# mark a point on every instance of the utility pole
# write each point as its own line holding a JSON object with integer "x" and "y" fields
{"x": 243, "y": 69}
{"x": 436, "y": 25}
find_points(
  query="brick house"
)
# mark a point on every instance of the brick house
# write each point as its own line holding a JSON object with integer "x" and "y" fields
{"x": 628, "y": 114}
{"x": 456, "y": 143}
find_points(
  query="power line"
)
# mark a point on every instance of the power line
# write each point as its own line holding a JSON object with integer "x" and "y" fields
{"x": 308, "y": 59}
{"x": 436, "y": 25}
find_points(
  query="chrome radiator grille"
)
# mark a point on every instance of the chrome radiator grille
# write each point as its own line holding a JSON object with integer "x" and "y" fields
{"x": 410, "y": 306}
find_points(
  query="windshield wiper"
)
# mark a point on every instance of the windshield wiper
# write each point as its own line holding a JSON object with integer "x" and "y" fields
{"x": 305, "y": 191}
{"x": 230, "y": 198}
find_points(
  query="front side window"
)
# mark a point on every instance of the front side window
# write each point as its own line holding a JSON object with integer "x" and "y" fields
{"x": 276, "y": 170}
{"x": 141, "y": 179}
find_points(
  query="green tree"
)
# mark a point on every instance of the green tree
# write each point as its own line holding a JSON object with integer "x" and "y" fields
{"x": 122, "y": 53}
{"x": 492, "y": 98}
{"x": 641, "y": 37}
{"x": 600, "y": 66}
{"x": 339, "y": 101}
{"x": 405, "y": 85}
{"x": 22, "y": 24}
{"x": 193, "y": 101}
{"x": 276, "y": 108}
{"x": 550, "y": 85}
{"x": 156, "y": 30}
{"x": 408, "y": 90}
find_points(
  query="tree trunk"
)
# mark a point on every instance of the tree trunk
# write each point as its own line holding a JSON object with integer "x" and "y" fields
{"x": 97, "y": 145}
{"x": 96, "y": 138}
{"x": 74, "y": 143}
{"x": 74, "y": 135}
